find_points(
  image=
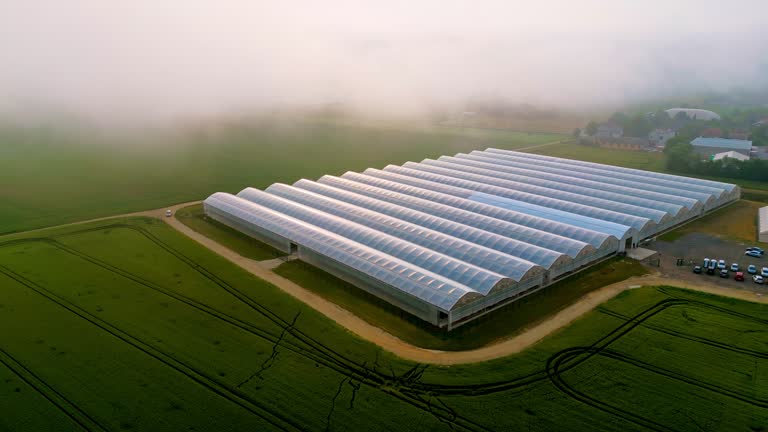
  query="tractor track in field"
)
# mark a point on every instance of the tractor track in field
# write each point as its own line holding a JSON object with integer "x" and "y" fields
{"x": 381, "y": 381}
{"x": 721, "y": 390}
{"x": 572, "y": 357}
{"x": 193, "y": 374}
{"x": 71, "y": 410}
{"x": 358, "y": 373}
{"x": 408, "y": 387}
{"x": 692, "y": 338}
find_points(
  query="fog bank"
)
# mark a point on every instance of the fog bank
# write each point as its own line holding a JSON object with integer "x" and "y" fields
{"x": 144, "y": 59}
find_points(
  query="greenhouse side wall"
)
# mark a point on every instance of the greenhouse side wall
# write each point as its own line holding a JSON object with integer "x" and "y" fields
{"x": 371, "y": 285}
{"x": 278, "y": 242}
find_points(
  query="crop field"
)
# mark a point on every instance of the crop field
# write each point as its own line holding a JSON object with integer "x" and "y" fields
{"x": 51, "y": 177}
{"x": 127, "y": 325}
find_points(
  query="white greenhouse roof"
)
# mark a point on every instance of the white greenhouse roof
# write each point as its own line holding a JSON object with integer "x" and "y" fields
{"x": 698, "y": 114}
{"x": 456, "y": 229}
{"x": 732, "y": 155}
{"x": 427, "y": 286}
{"x": 763, "y": 217}
{"x": 678, "y": 182}
{"x": 604, "y": 178}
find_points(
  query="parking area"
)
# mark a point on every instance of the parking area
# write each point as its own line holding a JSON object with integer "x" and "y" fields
{"x": 694, "y": 247}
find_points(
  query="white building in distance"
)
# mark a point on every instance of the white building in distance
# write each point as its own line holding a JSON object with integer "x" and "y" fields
{"x": 695, "y": 114}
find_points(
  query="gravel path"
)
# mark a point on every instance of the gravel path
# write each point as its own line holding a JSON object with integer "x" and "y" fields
{"x": 407, "y": 351}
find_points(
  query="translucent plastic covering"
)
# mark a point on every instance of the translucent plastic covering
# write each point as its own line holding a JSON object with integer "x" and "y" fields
{"x": 461, "y": 234}
{"x": 610, "y": 228}
{"x": 653, "y": 210}
{"x": 592, "y": 175}
{"x": 667, "y": 203}
{"x": 699, "y": 185}
{"x": 626, "y": 219}
{"x": 563, "y": 194}
{"x": 431, "y": 257}
{"x": 372, "y": 186}
{"x": 451, "y": 238}
{"x": 434, "y": 215}
{"x": 427, "y": 286}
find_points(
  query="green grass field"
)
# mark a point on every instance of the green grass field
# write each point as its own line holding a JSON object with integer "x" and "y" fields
{"x": 51, "y": 177}
{"x": 737, "y": 222}
{"x": 128, "y": 325}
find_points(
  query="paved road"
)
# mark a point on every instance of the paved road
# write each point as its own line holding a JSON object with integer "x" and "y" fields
{"x": 408, "y": 351}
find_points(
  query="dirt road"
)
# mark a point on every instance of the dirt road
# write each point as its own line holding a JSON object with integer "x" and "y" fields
{"x": 407, "y": 351}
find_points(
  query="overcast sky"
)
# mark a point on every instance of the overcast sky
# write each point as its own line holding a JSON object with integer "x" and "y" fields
{"x": 160, "y": 58}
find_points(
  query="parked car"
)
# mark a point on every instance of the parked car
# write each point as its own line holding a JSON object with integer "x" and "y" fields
{"x": 734, "y": 267}
{"x": 753, "y": 253}
{"x": 739, "y": 277}
{"x": 706, "y": 262}
{"x": 756, "y": 249}
{"x": 764, "y": 272}
{"x": 168, "y": 213}
{"x": 758, "y": 279}
{"x": 721, "y": 264}
{"x": 752, "y": 269}
{"x": 697, "y": 269}
{"x": 710, "y": 271}
{"x": 724, "y": 273}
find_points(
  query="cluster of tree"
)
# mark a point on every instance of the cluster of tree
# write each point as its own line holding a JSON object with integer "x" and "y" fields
{"x": 640, "y": 125}
{"x": 760, "y": 136}
{"x": 683, "y": 159}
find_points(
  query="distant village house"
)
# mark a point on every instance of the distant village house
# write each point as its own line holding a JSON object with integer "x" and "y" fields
{"x": 659, "y": 137}
{"x": 709, "y": 147}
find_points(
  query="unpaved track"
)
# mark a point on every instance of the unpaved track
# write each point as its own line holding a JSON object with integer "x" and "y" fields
{"x": 405, "y": 350}
{"x": 389, "y": 342}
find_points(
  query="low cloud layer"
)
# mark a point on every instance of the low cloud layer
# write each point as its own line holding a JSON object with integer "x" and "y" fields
{"x": 165, "y": 59}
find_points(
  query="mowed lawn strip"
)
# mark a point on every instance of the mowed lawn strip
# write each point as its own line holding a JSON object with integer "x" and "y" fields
{"x": 737, "y": 221}
{"x": 194, "y": 217}
{"x": 500, "y": 324}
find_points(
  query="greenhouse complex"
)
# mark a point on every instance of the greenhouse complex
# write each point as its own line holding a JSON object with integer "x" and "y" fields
{"x": 451, "y": 239}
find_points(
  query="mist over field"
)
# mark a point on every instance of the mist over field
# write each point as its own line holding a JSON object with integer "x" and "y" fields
{"x": 142, "y": 60}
